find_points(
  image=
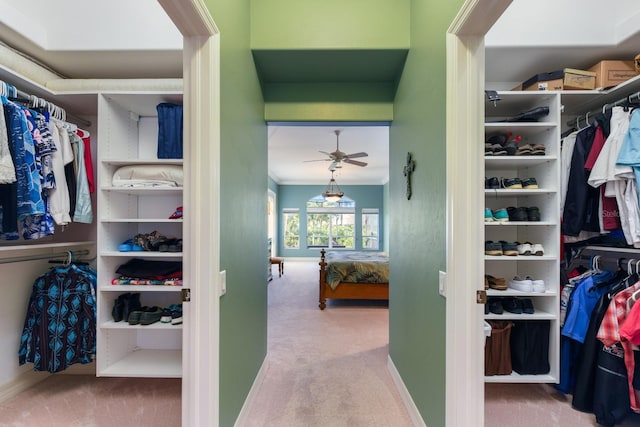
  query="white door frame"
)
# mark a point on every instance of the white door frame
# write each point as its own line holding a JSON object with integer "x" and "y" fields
{"x": 465, "y": 205}
{"x": 201, "y": 261}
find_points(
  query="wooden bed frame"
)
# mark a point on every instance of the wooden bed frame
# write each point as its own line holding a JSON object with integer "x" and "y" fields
{"x": 345, "y": 290}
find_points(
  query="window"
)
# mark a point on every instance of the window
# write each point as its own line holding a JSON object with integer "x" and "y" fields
{"x": 331, "y": 225}
{"x": 291, "y": 228}
{"x": 370, "y": 229}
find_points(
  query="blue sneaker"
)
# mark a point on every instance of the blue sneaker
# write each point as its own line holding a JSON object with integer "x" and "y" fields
{"x": 488, "y": 215}
{"x": 501, "y": 215}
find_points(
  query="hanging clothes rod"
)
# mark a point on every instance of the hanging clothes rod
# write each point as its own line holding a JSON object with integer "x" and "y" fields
{"x": 626, "y": 100}
{"x": 55, "y": 110}
{"x": 69, "y": 255}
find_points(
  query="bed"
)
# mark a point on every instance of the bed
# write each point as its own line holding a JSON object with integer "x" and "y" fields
{"x": 353, "y": 275}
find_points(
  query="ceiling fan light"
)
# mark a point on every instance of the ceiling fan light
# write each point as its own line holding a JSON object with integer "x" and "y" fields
{"x": 332, "y": 193}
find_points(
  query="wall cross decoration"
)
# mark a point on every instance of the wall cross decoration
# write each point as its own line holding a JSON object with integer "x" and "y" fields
{"x": 408, "y": 170}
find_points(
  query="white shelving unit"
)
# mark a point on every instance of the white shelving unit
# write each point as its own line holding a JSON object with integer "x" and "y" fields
{"x": 127, "y": 134}
{"x": 546, "y": 170}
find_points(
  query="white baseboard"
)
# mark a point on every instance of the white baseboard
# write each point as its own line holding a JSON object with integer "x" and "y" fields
{"x": 411, "y": 407}
{"x": 21, "y": 383}
{"x": 243, "y": 417}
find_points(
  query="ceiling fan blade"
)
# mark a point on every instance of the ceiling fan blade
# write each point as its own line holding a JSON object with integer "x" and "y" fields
{"x": 356, "y": 155}
{"x": 318, "y": 160}
{"x": 355, "y": 162}
{"x": 335, "y": 165}
{"x": 324, "y": 152}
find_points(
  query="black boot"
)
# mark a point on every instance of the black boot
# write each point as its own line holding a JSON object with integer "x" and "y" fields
{"x": 131, "y": 303}
{"x": 117, "y": 312}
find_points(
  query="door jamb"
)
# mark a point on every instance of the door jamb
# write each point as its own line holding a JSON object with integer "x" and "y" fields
{"x": 201, "y": 255}
{"x": 465, "y": 202}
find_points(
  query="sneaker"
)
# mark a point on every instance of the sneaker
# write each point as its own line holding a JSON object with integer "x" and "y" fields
{"x": 501, "y": 215}
{"x": 177, "y": 213}
{"x": 537, "y": 285}
{"x": 488, "y": 150}
{"x": 488, "y": 215}
{"x": 512, "y": 305}
{"x": 176, "y": 315}
{"x": 527, "y": 306}
{"x": 537, "y": 249}
{"x": 509, "y": 248}
{"x": 522, "y": 285}
{"x": 533, "y": 213}
{"x": 529, "y": 183}
{"x": 524, "y": 248}
{"x": 538, "y": 150}
{"x": 511, "y": 183}
{"x": 492, "y": 248}
{"x": 492, "y": 183}
{"x": 517, "y": 214}
{"x": 495, "y": 305}
{"x": 498, "y": 150}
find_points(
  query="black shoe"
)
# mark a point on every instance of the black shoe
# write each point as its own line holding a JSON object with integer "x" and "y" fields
{"x": 492, "y": 183}
{"x": 527, "y": 306}
{"x": 533, "y": 213}
{"x": 117, "y": 312}
{"x": 495, "y": 306}
{"x": 517, "y": 214}
{"x": 134, "y": 316}
{"x": 512, "y": 305}
{"x": 151, "y": 315}
{"x": 131, "y": 303}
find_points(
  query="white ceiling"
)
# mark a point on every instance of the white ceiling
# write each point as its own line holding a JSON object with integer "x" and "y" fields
{"x": 290, "y": 148}
{"x": 95, "y": 39}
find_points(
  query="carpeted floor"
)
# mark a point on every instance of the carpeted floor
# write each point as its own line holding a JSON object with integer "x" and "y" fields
{"x": 326, "y": 368}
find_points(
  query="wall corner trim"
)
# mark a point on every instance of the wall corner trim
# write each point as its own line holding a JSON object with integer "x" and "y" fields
{"x": 243, "y": 416}
{"x": 410, "y": 406}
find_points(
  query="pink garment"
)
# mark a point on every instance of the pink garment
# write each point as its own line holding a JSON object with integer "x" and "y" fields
{"x": 88, "y": 163}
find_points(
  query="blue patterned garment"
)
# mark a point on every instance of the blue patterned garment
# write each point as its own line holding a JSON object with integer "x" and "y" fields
{"x": 60, "y": 326}
{"x": 28, "y": 177}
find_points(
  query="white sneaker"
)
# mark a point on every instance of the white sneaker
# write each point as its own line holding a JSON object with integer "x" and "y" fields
{"x": 524, "y": 248}
{"x": 522, "y": 285}
{"x": 537, "y": 249}
{"x": 537, "y": 285}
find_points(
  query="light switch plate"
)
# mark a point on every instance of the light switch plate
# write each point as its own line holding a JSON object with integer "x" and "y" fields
{"x": 442, "y": 283}
{"x": 223, "y": 282}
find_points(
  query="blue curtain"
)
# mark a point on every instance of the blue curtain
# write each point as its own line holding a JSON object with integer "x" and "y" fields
{"x": 169, "y": 131}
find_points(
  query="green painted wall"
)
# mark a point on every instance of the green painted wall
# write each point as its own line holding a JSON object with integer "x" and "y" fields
{"x": 418, "y": 236}
{"x": 243, "y": 245}
{"x": 329, "y": 24}
{"x": 296, "y": 196}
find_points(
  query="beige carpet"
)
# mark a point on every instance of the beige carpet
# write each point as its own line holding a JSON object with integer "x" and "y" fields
{"x": 326, "y": 368}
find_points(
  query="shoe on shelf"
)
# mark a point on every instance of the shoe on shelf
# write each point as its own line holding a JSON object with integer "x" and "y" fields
{"x": 533, "y": 213}
{"x": 522, "y": 285}
{"x": 500, "y": 138}
{"x": 488, "y": 149}
{"x": 176, "y": 315}
{"x": 492, "y": 183}
{"x": 151, "y": 315}
{"x": 512, "y": 145}
{"x": 501, "y": 215}
{"x": 498, "y": 150}
{"x": 524, "y": 248}
{"x": 177, "y": 213}
{"x": 511, "y": 183}
{"x": 129, "y": 246}
{"x": 517, "y": 214}
{"x": 537, "y": 285}
{"x": 537, "y": 249}
{"x": 497, "y": 283}
{"x": 529, "y": 183}
{"x": 488, "y": 215}
{"x": 524, "y": 150}
{"x": 495, "y": 306}
{"x": 527, "y": 306}
{"x": 492, "y": 248}
{"x": 509, "y": 248}
{"x": 135, "y": 315}
{"x": 117, "y": 311}
{"x": 512, "y": 305}
{"x": 170, "y": 313}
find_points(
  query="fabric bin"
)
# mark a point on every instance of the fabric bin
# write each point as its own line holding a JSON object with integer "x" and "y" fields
{"x": 497, "y": 351}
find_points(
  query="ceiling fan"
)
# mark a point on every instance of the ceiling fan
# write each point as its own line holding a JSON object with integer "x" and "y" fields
{"x": 337, "y": 157}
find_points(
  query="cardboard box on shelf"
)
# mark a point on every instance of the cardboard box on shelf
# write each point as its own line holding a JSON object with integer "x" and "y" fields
{"x": 545, "y": 81}
{"x": 579, "y": 79}
{"x": 567, "y": 79}
{"x": 612, "y": 73}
